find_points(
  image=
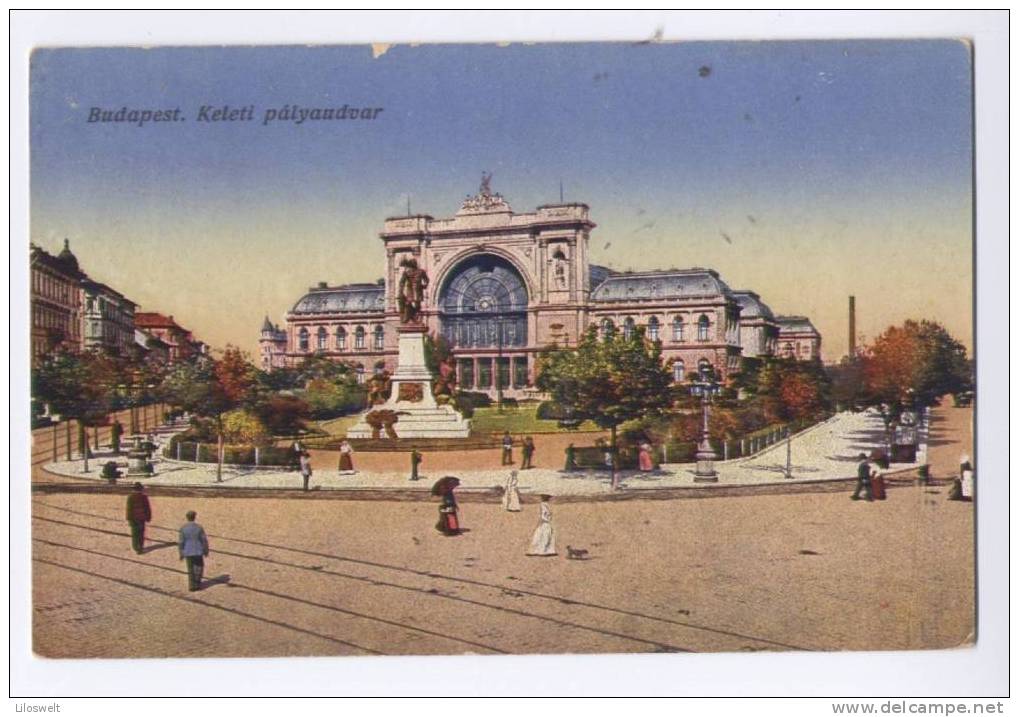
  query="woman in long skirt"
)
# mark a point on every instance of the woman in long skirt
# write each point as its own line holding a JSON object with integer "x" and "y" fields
{"x": 346, "y": 458}
{"x": 543, "y": 540}
{"x": 511, "y": 497}
{"x": 449, "y": 523}
{"x": 646, "y": 462}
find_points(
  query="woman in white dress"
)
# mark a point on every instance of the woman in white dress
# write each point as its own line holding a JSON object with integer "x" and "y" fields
{"x": 543, "y": 540}
{"x": 511, "y": 496}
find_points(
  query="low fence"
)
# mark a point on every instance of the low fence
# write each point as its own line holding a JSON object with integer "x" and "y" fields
{"x": 267, "y": 456}
{"x": 60, "y": 440}
{"x": 729, "y": 449}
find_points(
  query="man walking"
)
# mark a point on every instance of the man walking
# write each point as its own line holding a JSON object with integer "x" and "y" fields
{"x": 527, "y": 453}
{"x": 306, "y": 468}
{"x": 116, "y": 431}
{"x": 139, "y": 512}
{"x": 863, "y": 471}
{"x": 415, "y": 461}
{"x": 507, "y": 449}
{"x": 194, "y": 548}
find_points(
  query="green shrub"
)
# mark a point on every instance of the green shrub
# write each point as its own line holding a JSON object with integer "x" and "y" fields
{"x": 550, "y": 411}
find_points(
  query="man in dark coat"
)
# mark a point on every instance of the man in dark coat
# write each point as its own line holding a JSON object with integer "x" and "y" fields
{"x": 415, "y": 461}
{"x": 571, "y": 458}
{"x": 194, "y": 548}
{"x": 527, "y": 453}
{"x": 863, "y": 471}
{"x": 116, "y": 431}
{"x": 139, "y": 512}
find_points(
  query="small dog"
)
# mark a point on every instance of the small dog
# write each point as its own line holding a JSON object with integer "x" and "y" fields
{"x": 575, "y": 553}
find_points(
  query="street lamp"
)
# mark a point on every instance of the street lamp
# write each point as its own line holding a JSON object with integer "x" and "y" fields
{"x": 704, "y": 388}
{"x": 788, "y": 472}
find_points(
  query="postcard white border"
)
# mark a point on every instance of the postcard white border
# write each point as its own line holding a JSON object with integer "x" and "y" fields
{"x": 979, "y": 671}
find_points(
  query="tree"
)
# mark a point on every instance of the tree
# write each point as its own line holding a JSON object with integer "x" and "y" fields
{"x": 283, "y": 415}
{"x": 79, "y": 387}
{"x": 791, "y": 390}
{"x": 912, "y": 366}
{"x": 608, "y": 381}
{"x": 243, "y": 426}
{"x": 210, "y": 388}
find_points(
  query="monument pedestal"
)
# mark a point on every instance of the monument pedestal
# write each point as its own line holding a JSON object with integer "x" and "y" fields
{"x": 411, "y": 397}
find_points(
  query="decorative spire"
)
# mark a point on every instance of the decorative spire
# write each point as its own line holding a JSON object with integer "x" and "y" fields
{"x": 67, "y": 256}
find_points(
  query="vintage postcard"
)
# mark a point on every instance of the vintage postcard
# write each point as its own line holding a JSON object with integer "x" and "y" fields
{"x": 502, "y": 349}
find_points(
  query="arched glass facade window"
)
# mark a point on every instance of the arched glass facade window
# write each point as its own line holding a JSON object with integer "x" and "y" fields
{"x": 702, "y": 328}
{"x": 607, "y": 328}
{"x": 322, "y": 339}
{"x": 653, "y": 328}
{"x": 677, "y": 328}
{"x": 483, "y": 303}
{"x": 678, "y": 370}
{"x": 341, "y": 338}
{"x": 378, "y": 338}
{"x": 359, "y": 338}
{"x": 302, "y": 339}
{"x": 628, "y": 327}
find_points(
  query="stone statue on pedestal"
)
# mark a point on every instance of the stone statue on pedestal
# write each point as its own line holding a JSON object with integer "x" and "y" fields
{"x": 411, "y": 292}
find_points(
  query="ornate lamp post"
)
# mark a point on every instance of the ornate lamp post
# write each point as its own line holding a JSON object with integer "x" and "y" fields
{"x": 705, "y": 388}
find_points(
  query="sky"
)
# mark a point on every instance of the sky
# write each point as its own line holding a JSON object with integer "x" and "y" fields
{"x": 806, "y": 171}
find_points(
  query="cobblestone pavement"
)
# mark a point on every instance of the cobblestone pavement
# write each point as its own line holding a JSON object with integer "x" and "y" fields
{"x": 825, "y": 451}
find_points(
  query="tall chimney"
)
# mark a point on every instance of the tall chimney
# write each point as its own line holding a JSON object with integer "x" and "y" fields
{"x": 852, "y": 326}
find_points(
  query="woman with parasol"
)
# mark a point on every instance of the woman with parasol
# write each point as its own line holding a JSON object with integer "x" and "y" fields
{"x": 449, "y": 523}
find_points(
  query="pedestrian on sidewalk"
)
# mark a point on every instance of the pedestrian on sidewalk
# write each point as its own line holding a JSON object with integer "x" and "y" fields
{"x": 543, "y": 539}
{"x": 507, "y": 449}
{"x": 139, "y": 512}
{"x": 571, "y": 458}
{"x": 527, "y": 453}
{"x": 346, "y": 458}
{"x": 415, "y": 461}
{"x": 193, "y": 546}
{"x": 646, "y": 460}
{"x": 863, "y": 473}
{"x": 116, "y": 431}
{"x": 306, "y": 468}
{"x": 511, "y": 495}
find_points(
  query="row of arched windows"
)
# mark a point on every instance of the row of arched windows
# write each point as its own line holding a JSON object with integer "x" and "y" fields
{"x": 654, "y": 328}
{"x": 679, "y": 369}
{"x": 340, "y": 339}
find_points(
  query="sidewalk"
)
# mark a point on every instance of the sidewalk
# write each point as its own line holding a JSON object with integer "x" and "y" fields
{"x": 826, "y": 451}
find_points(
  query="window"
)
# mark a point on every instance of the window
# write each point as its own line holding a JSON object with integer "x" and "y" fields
{"x": 360, "y": 373}
{"x": 652, "y": 328}
{"x": 519, "y": 371}
{"x": 466, "y": 373}
{"x": 677, "y": 328}
{"x": 678, "y": 370}
{"x": 702, "y": 328}
{"x": 503, "y": 377}
{"x": 321, "y": 339}
{"x": 628, "y": 327}
{"x": 607, "y": 328}
{"x": 302, "y": 340}
{"x": 359, "y": 337}
{"x": 484, "y": 372}
{"x": 341, "y": 338}
{"x": 379, "y": 338}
